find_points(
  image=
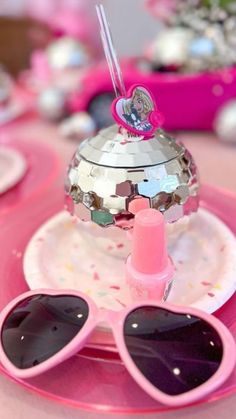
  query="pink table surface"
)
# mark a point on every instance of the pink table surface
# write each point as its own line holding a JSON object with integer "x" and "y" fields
{"x": 216, "y": 162}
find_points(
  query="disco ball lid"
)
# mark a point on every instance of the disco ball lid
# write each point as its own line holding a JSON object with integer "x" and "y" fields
{"x": 116, "y": 147}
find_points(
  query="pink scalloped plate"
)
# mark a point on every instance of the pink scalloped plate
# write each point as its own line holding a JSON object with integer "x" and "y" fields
{"x": 43, "y": 169}
{"x": 95, "y": 381}
{"x": 13, "y": 167}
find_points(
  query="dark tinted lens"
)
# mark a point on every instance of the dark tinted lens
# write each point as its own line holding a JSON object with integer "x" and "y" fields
{"x": 175, "y": 352}
{"x": 40, "y": 326}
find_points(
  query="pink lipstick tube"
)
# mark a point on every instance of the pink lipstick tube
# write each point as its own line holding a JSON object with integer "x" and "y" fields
{"x": 149, "y": 269}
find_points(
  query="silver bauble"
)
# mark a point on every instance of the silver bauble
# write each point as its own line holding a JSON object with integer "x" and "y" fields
{"x": 171, "y": 47}
{"x": 67, "y": 53}
{"x": 51, "y": 104}
{"x": 78, "y": 126}
{"x": 225, "y": 123}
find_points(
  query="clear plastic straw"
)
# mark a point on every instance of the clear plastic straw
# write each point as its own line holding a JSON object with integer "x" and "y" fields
{"x": 110, "y": 53}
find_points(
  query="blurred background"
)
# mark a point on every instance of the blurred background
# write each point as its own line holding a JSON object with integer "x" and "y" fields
{"x": 53, "y": 66}
{"x": 16, "y": 25}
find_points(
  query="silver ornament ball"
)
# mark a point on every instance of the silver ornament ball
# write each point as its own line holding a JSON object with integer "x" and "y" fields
{"x": 171, "y": 47}
{"x": 51, "y": 104}
{"x": 67, "y": 53}
{"x": 78, "y": 126}
{"x": 225, "y": 123}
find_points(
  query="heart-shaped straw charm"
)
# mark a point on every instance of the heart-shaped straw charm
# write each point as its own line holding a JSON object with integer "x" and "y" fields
{"x": 137, "y": 112}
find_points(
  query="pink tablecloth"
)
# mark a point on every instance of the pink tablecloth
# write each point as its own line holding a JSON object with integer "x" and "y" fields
{"x": 216, "y": 163}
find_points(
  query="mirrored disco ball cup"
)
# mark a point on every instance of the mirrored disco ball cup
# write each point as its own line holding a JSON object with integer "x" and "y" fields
{"x": 115, "y": 174}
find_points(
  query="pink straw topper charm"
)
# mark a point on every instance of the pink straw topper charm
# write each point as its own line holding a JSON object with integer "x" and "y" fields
{"x": 137, "y": 111}
{"x": 149, "y": 269}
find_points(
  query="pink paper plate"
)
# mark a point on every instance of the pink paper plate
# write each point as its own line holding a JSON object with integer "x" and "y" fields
{"x": 13, "y": 167}
{"x": 97, "y": 383}
{"x": 43, "y": 169}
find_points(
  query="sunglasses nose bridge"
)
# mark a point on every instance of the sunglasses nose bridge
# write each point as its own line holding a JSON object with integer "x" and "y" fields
{"x": 107, "y": 316}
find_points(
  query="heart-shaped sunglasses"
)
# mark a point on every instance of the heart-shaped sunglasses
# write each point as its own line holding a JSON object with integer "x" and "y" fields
{"x": 176, "y": 354}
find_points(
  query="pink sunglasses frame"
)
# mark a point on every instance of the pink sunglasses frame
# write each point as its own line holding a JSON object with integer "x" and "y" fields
{"x": 116, "y": 322}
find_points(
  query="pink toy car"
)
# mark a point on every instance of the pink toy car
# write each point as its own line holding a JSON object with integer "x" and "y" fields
{"x": 187, "y": 101}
